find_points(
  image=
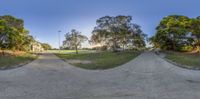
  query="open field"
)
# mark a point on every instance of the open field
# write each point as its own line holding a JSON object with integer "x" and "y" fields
{"x": 99, "y": 61}
{"x": 186, "y": 60}
{"x": 70, "y": 51}
{"x": 10, "y": 61}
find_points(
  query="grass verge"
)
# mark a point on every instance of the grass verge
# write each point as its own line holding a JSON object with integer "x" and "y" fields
{"x": 185, "y": 60}
{"x": 10, "y": 61}
{"x": 100, "y": 61}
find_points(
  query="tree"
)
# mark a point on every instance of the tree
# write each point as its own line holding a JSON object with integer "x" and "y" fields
{"x": 46, "y": 46}
{"x": 74, "y": 39}
{"x": 14, "y": 30}
{"x": 13, "y": 35}
{"x": 172, "y": 32}
{"x": 137, "y": 36}
{"x": 116, "y": 32}
{"x": 4, "y": 36}
{"x": 195, "y": 29}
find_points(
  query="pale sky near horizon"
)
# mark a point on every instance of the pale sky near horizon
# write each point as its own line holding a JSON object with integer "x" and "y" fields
{"x": 44, "y": 18}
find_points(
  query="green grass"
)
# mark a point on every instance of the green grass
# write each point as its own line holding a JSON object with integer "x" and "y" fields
{"x": 69, "y": 51}
{"x": 186, "y": 60}
{"x": 10, "y": 61}
{"x": 101, "y": 61}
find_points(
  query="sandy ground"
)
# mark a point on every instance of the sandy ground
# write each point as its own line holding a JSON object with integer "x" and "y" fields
{"x": 146, "y": 77}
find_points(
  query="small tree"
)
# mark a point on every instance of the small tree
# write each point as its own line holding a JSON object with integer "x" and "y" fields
{"x": 46, "y": 46}
{"x": 74, "y": 39}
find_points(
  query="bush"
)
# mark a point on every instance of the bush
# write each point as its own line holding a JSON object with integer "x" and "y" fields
{"x": 102, "y": 48}
{"x": 185, "y": 48}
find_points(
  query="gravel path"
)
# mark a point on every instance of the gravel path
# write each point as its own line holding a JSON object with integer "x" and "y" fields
{"x": 146, "y": 77}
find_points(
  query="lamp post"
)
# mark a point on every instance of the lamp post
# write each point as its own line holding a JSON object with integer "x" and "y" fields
{"x": 59, "y": 39}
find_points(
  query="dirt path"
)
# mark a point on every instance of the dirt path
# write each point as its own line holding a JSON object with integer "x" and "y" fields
{"x": 146, "y": 77}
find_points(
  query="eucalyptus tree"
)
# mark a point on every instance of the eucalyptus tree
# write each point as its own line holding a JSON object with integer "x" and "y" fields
{"x": 4, "y": 35}
{"x": 10, "y": 35}
{"x": 137, "y": 36}
{"x": 116, "y": 31}
{"x": 74, "y": 39}
{"x": 195, "y": 29}
{"x": 172, "y": 32}
{"x": 13, "y": 35}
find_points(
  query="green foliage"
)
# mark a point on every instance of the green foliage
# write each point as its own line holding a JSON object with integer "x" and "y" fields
{"x": 117, "y": 32}
{"x": 185, "y": 48}
{"x": 13, "y": 35}
{"x": 74, "y": 39}
{"x": 174, "y": 33}
{"x": 195, "y": 29}
{"x": 46, "y": 46}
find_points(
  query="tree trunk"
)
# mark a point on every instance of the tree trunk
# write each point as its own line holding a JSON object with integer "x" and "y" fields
{"x": 124, "y": 42}
{"x": 114, "y": 45}
{"x": 76, "y": 49}
{"x": 3, "y": 53}
{"x": 198, "y": 49}
{"x": 174, "y": 45}
{"x": 123, "y": 47}
{"x": 198, "y": 46}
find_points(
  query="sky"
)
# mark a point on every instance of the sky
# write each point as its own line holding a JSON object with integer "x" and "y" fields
{"x": 44, "y": 18}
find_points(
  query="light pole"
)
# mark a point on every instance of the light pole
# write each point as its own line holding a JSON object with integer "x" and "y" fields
{"x": 59, "y": 39}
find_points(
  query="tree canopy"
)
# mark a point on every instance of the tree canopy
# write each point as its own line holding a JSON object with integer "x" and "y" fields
{"x": 177, "y": 32}
{"x": 117, "y": 32}
{"x": 74, "y": 40}
{"x": 13, "y": 35}
{"x": 195, "y": 29}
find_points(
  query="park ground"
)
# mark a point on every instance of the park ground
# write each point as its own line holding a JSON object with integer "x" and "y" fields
{"x": 95, "y": 60}
{"x": 186, "y": 60}
{"x": 14, "y": 60}
{"x": 146, "y": 77}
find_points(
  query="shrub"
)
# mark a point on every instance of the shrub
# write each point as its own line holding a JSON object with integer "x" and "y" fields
{"x": 186, "y": 48}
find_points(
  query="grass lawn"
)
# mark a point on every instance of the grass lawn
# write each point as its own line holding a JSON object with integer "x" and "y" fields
{"x": 69, "y": 51}
{"x": 7, "y": 62}
{"x": 100, "y": 61}
{"x": 186, "y": 60}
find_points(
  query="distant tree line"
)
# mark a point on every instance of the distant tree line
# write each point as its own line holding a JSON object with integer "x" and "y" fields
{"x": 177, "y": 33}
{"x": 46, "y": 46}
{"x": 110, "y": 33}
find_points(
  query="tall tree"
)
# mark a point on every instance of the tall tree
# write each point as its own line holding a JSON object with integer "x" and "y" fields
{"x": 195, "y": 29}
{"x": 116, "y": 31}
{"x": 172, "y": 32}
{"x": 74, "y": 39}
{"x": 13, "y": 35}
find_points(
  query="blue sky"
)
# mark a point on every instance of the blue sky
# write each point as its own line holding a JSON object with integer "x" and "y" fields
{"x": 43, "y": 18}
